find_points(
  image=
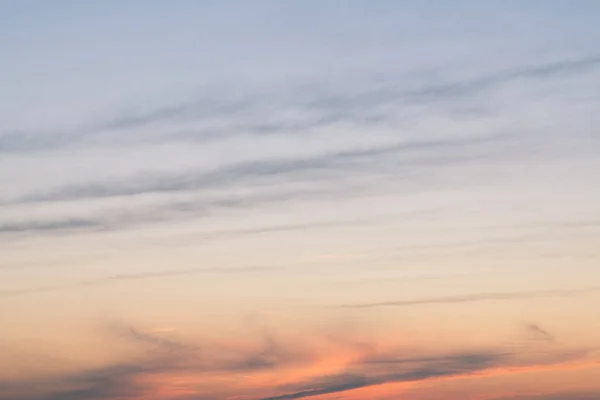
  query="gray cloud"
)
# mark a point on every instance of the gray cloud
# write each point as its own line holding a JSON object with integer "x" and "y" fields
{"x": 67, "y": 224}
{"x": 133, "y": 276}
{"x": 475, "y": 298}
{"x": 123, "y": 219}
{"x": 323, "y": 172}
{"x": 321, "y": 109}
{"x": 555, "y": 396}
{"x": 399, "y": 159}
{"x": 365, "y": 107}
{"x": 100, "y": 384}
{"x": 129, "y": 332}
{"x": 539, "y": 333}
{"x": 251, "y": 172}
{"x": 269, "y": 352}
{"x": 167, "y": 355}
{"x": 379, "y": 369}
{"x": 533, "y": 72}
{"x": 447, "y": 366}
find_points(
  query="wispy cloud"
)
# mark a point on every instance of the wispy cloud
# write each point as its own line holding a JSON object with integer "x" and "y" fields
{"x": 542, "y": 71}
{"x": 471, "y": 298}
{"x": 360, "y": 106}
{"x": 323, "y": 175}
{"x": 539, "y": 333}
{"x": 252, "y": 172}
{"x": 555, "y": 396}
{"x": 130, "y": 217}
{"x": 294, "y": 363}
{"x": 447, "y": 366}
{"x": 319, "y": 108}
{"x": 67, "y": 224}
{"x": 161, "y": 342}
{"x": 133, "y": 276}
{"x": 397, "y": 158}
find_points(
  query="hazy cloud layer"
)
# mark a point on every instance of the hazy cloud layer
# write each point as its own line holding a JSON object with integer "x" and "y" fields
{"x": 267, "y": 353}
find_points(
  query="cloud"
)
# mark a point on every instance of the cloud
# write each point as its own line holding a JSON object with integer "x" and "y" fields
{"x": 539, "y": 333}
{"x": 435, "y": 368}
{"x": 323, "y": 174}
{"x": 476, "y": 298}
{"x": 555, "y": 396}
{"x": 174, "y": 369}
{"x": 532, "y": 72}
{"x": 127, "y": 217}
{"x": 67, "y": 224}
{"x": 316, "y": 167}
{"x": 144, "y": 338}
{"x": 99, "y": 384}
{"x": 255, "y": 111}
{"x": 192, "y": 369}
{"x": 131, "y": 277}
{"x": 164, "y": 356}
{"x": 397, "y": 159}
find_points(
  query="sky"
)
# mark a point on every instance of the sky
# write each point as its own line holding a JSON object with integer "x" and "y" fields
{"x": 270, "y": 200}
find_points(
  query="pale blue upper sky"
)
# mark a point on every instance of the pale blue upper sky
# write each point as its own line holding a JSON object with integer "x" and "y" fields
{"x": 144, "y": 114}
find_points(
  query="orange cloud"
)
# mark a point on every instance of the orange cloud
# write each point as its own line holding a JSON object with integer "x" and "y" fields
{"x": 263, "y": 365}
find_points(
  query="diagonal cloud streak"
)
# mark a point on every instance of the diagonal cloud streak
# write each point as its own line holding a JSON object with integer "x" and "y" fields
{"x": 134, "y": 276}
{"x": 475, "y": 298}
{"x": 539, "y": 333}
{"x": 118, "y": 220}
{"x": 329, "y": 108}
{"x": 252, "y": 171}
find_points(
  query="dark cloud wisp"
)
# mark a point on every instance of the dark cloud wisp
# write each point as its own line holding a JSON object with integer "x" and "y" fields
{"x": 471, "y": 298}
{"x": 268, "y": 352}
{"x": 321, "y": 109}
